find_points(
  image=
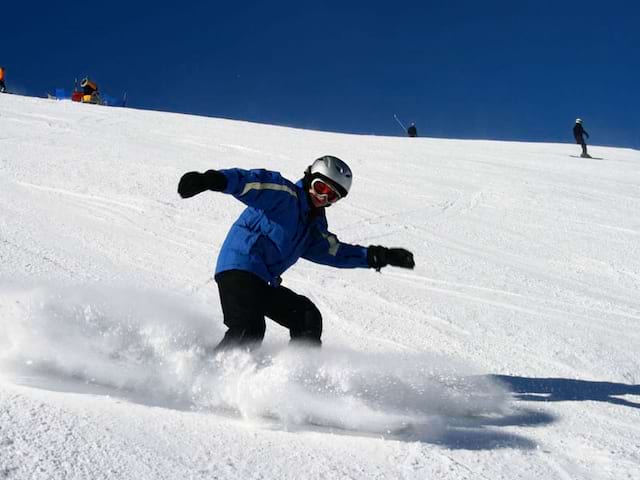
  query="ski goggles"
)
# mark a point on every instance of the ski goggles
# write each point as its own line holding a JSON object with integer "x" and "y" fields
{"x": 322, "y": 188}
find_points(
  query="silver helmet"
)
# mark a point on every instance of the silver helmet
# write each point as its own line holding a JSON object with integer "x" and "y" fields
{"x": 334, "y": 171}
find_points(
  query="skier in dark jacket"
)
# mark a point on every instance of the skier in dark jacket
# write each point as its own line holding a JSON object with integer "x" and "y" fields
{"x": 579, "y": 133}
{"x": 412, "y": 131}
{"x": 283, "y": 221}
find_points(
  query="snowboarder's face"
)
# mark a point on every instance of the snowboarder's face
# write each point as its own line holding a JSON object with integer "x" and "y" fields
{"x": 322, "y": 194}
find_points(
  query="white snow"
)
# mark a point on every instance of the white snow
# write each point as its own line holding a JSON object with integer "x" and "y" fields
{"x": 511, "y": 351}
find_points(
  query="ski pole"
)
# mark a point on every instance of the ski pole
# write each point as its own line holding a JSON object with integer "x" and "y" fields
{"x": 404, "y": 129}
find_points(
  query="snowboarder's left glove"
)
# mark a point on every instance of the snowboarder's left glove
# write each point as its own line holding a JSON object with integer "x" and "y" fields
{"x": 379, "y": 257}
{"x": 193, "y": 183}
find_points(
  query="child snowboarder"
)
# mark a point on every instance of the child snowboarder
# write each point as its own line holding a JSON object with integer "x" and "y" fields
{"x": 283, "y": 221}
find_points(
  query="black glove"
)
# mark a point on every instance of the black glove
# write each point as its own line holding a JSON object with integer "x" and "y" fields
{"x": 193, "y": 183}
{"x": 379, "y": 257}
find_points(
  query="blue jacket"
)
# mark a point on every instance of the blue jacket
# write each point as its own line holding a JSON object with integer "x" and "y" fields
{"x": 277, "y": 229}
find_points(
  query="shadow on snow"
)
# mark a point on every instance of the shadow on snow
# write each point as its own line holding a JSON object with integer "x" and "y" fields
{"x": 477, "y": 432}
{"x": 563, "y": 389}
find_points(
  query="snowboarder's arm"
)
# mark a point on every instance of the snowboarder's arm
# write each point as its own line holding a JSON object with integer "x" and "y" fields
{"x": 262, "y": 189}
{"x": 328, "y": 250}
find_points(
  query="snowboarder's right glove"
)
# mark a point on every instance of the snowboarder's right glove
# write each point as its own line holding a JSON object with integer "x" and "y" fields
{"x": 193, "y": 183}
{"x": 379, "y": 257}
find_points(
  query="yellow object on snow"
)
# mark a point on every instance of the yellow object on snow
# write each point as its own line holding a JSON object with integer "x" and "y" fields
{"x": 89, "y": 86}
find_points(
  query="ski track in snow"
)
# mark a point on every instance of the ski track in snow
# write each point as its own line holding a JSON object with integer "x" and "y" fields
{"x": 510, "y": 351}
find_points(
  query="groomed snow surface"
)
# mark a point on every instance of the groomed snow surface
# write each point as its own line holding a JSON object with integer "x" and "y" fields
{"x": 511, "y": 351}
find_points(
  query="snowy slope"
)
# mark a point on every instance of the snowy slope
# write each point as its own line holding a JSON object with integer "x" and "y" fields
{"x": 511, "y": 351}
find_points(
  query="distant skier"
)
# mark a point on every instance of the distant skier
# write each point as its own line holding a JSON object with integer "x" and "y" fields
{"x": 412, "y": 131}
{"x": 579, "y": 133}
{"x": 3, "y": 87}
{"x": 283, "y": 222}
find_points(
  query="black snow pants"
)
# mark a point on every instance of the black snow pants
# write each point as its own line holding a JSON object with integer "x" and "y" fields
{"x": 580, "y": 141}
{"x": 246, "y": 299}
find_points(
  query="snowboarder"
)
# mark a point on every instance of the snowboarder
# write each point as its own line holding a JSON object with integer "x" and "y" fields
{"x": 579, "y": 133}
{"x": 412, "y": 131}
{"x": 3, "y": 87}
{"x": 283, "y": 221}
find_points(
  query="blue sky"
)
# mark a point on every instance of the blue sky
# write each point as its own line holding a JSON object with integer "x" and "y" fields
{"x": 511, "y": 70}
